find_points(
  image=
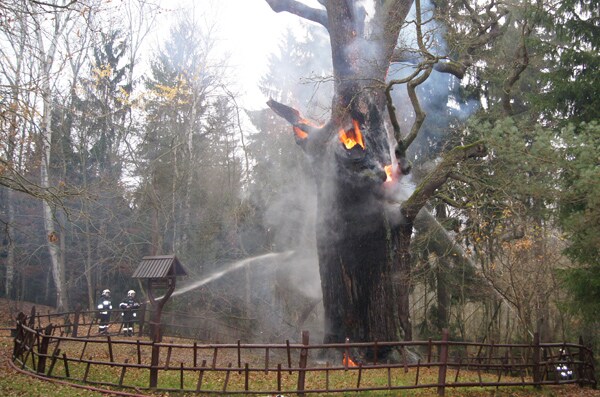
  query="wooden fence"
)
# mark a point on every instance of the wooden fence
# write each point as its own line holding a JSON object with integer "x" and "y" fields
{"x": 293, "y": 368}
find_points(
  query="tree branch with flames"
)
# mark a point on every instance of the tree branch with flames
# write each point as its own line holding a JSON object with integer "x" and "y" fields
{"x": 362, "y": 268}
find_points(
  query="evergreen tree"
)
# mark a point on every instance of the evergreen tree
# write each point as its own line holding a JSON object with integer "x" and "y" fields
{"x": 572, "y": 45}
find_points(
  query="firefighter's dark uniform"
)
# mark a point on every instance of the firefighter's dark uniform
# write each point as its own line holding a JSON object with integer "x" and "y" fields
{"x": 104, "y": 307}
{"x": 129, "y": 308}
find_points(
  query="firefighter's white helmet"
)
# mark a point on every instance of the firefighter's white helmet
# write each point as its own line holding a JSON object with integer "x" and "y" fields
{"x": 106, "y": 292}
{"x": 131, "y": 293}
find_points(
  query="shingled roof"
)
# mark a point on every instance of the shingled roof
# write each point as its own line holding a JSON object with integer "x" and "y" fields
{"x": 162, "y": 266}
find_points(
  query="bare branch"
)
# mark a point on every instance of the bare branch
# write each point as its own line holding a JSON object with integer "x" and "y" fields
{"x": 485, "y": 31}
{"x": 301, "y": 10}
{"x": 63, "y": 6}
{"x": 414, "y": 100}
{"x": 390, "y": 104}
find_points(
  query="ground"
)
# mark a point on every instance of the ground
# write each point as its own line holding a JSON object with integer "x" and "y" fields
{"x": 14, "y": 383}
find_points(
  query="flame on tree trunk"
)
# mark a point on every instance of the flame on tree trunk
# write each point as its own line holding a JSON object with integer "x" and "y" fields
{"x": 358, "y": 246}
{"x": 362, "y": 241}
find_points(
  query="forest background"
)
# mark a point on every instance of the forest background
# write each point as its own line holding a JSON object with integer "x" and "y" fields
{"x": 111, "y": 151}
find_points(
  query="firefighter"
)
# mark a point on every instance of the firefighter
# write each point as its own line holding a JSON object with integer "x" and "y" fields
{"x": 129, "y": 308}
{"x": 104, "y": 308}
{"x": 562, "y": 369}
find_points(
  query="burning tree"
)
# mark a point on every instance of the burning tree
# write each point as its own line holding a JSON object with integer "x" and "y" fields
{"x": 363, "y": 230}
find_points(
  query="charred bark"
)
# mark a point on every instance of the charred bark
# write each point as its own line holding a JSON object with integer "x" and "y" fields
{"x": 363, "y": 240}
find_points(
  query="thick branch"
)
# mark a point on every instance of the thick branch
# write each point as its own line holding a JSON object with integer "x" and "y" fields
{"x": 438, "y": 177}
{"x": 308, "y": 136}
{"x": 301, "y": 10}
{"x": 457, "y": 68}
{"x": 390, "y": 103}
{"x": 414, "y": 100}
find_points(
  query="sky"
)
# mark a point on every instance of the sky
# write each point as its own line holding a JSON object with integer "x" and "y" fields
{"x": 247, "y": 30}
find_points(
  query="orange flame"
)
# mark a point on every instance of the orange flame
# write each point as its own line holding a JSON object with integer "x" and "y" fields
{"x": 300, "y": 133}
{"x": 388, "y": 170}
{"x": 352, "y": 137}
{"x": 347, "y": 361}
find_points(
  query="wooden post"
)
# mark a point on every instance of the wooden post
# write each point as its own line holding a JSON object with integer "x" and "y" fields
{"x": 428, "y": 352}
{"x": 226, "y": 381}
{"x": 87, "y": 369}
{"x": 302, "y": 363}
{"x": 195, "y": 354}
{"x": 53, "y": 361}
{"x": 246, "y": 376}
{"x": 168, "y": 360}
{"x": 214, "y": 361}
{"x": 123, "y": 370}
{"x": 200, "y": 375}
{"x": 154, "y": 365}
{"x": 181, "y": 377}
{"x": 32, "y": 318}
{"x": 43, "y": 350}
{"x": 19, "y": 336}
{"x": 110, "y": 349}
{"x": 580, "y": 366}
{"x": 76, "y": 320}
{"x": 66, "y": 362}
{"x": 239, "y": 356}
{"x": 537, "y": 354}
{"x": 267, "y": 360}
{"x": 139, "y": 351}
{"x": 443, "y": 363}
{"x": 278, "y": 377}
{"x": 289, "y": 355}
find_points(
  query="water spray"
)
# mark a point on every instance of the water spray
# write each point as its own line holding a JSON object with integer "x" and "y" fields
{"x": 229, "y": 268}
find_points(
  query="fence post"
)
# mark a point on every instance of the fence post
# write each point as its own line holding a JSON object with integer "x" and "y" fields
{"x": 32, "y": 316}
{"x": 302, "y": 364}
{"x": 443, "y": 363}
{"x": 537, "y": 354}
{"x": 154, "y": 365}
{"x": 43, "y": 349}
{"x": 19, "y": 336}
{"x": 581, "y": 365}
{"x": 76, "y": 320}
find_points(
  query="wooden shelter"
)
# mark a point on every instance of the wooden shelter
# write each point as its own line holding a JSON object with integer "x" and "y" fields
{"x": 160, "y": 273}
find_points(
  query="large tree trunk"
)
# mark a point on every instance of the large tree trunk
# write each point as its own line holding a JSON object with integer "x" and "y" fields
{"x": 362, "y": 239}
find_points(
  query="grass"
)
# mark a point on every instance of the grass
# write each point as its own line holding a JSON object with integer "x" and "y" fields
{"x": 22, "y": 385}
{"x": 13, "y": 383}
